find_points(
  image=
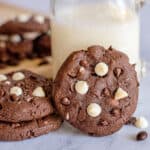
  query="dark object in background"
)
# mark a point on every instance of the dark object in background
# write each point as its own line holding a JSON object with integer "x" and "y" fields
{"x": 42, "y": 45}
{"x": 141, "y": 136}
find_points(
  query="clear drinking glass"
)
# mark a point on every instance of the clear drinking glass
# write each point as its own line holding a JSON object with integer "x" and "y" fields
{"x": 77, "y": 24}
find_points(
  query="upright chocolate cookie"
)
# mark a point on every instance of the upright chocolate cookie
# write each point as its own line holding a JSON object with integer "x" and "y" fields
{"x": 24, "y": 96}
{"x": 96, "y": 90}
{"x": 26, "y": 130}
{"x": 20, "y": 50}
{"x": 25, "y": 24}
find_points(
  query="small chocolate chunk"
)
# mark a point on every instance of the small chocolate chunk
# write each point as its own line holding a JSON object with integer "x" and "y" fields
{"x": 118, "y": 72}
{"x": 131, "y": 121}
{"x": 115, "y": 112}
{"x": 103, "y": 123}
{"x": 106, "y": 92}
{"x": 14, "y": 97}
{"x": 141, "y": 136}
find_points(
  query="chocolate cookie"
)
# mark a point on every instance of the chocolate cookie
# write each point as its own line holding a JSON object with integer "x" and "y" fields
{"x": 26, "y": 130}
{"x": 20, "y": 50}
{"x": 24, "y": 96}
{"x": 43, "y": 45}
{"x": 24, "y": 24}
{"x": 96, "y": 90}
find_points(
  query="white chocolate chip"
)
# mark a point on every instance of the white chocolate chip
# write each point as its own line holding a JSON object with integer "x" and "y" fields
{"x": 4, "y": 38}
{"x": 141, "y": 122}
{"x": 120, "y": 94}
{"x": 23, "y": 18}
{"x": 39, "y": 92}
{"x": 7, "y": 82}
{"x": 31, "y": 35}
{"x": 16, "y": 90}
{"x": 82, "y": 70}
{"x": 18, "y": 76}
{"x": 101, "y": 69}
{"x": 15, "y": 38}
{"x": 94, "y": 110}
{"x": 39, "y": 19}
{"x": 2, "y": 44}
{"x": 3, "y": 77}
{"x": 81, "y": 87}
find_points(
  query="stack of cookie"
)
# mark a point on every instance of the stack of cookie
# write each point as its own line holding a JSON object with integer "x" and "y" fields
{"x": 25, "y": 106}
{"x": 25, "y": 36}
{"x": 96, "y": 90}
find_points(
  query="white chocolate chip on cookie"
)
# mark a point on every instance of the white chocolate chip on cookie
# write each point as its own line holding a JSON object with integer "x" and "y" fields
{"x": 101, "y": 69}
{"x": 30, "y": 35}
{"x": 39, "y": 92}
{"x": 23, "y": 18}
{"x": 94, "y": 110}
{"x": 81, "y": 87}
{"x": 16, "y": 91}
{"x": 3, "y": 77}
{"x": 120, "y": 94}
{"x": 18, "y": 76}
{"x": 15, "y": 38}
{"x": 39, "y": 19}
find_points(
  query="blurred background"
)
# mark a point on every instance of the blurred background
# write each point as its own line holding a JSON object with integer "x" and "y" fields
{"x": 43, "y": 7}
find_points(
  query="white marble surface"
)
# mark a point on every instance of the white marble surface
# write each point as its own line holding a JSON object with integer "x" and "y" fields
{"x": 68, "y": 138}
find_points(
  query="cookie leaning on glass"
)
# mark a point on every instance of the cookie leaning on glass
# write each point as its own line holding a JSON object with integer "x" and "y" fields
{"x": 96, "y": 90}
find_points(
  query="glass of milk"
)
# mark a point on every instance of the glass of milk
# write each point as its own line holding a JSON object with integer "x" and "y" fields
{"x": 77, "y": 24}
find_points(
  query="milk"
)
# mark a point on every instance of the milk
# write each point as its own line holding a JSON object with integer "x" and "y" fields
{"x": 83, "y": 26}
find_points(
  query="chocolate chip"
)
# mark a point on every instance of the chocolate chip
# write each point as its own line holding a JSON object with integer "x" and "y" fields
{"x": 110, "y": 48}
{"x": 106, "y": 92}
{"x": 1, "y": 106}
{"x": 118, "y": 72}
{"x": 84, "y": 63}
{"x": 43, "y": 62}
{"x": 131, "y": 121}
{"x": 115, "y": 112}
{"x": 141, "y": 136}
{"x": 14, "y": 97}
{"x": 103, "y": 123}
{"x": 65, "y": 101}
